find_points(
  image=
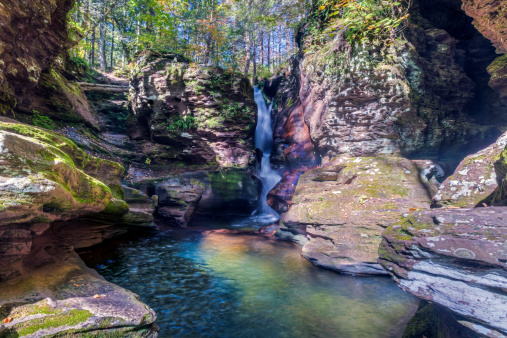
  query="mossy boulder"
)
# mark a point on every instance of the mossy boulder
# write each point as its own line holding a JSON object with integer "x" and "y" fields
{"x": 475, "y": 179}
{"x": 342, "y": 209}
{"x": 453, "y": 257}
{"x": 41, "y": 181}
{"x": 500, "y": 195}
{"x": 66, "y": 299}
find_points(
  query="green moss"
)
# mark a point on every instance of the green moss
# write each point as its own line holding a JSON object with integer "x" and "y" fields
{"x": 70, "y": 318}
{"x": 233, "y": 185}
{"x": 116, "y": 207}
{"x": 41, "y": 307}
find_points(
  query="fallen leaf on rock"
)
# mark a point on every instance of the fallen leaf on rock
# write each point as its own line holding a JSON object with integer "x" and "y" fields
{"x": 76, "y": 285}
{"x": 96, "y": 296}
{"x": 7, "y": 320}
{"x": 412, "y": 209}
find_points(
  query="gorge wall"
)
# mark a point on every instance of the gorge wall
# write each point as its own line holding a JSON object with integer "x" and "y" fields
{"x": 417, "y": 124}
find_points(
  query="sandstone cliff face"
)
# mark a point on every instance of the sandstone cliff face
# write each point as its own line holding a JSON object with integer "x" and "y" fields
{"x": 45, "y": 178}
{"x": 418, "y": 103}
{"x": 192, "y": 114}
{"x": 490, "y": 18}
{"x": 32, "y": 34}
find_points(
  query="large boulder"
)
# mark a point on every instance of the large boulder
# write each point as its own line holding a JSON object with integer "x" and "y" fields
{"x": 141, "y": 209}
{"x": 453, "y": 257}
{"x": 178, "y": 201}
{"x": 62, "y": 297}
{"x": 340, "y": 210}
{"x": 223, "y": 194}
{"x": 474, "y": 181}
{"x": 192, "y": 114}
{"x": 500, "y": 195}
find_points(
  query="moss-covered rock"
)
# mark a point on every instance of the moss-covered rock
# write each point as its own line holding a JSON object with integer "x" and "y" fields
{"x": 45, "y": 177}
{"x": 342, "y": 208}
{"x": 498, "y": 72}
{"x": 500, "y": 195}
{"x": 67, "y": 299}
{"x": 434, "y": 321}
{"x": 474, "y": 181}
{"x": 199, "y": 115}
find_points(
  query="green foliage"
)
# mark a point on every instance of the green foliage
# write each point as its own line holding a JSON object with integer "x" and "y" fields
{"x": 233, "y": 110}
{"x": 42, "y": 120}
{"x": 180, "y": 123}
{"x": 78, "y": 61}
{"x": 360, "y": 20}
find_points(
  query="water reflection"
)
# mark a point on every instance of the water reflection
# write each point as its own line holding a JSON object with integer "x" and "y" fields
{"x": 221, "y": 284}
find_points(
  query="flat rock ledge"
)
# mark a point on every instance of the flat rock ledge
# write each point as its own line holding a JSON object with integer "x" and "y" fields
{"x": 456, "y": 258}
{"x": 68, "y": 299}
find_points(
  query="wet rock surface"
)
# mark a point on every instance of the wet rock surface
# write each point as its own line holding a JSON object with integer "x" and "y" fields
{"x": 203, "y": 195}
{"x": 141, "y": 209}
{"x": 339, "y": 211}
{"x": 453, "y": 257}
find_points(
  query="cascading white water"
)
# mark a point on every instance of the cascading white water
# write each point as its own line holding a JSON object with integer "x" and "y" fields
{"x": 264, "y": 142}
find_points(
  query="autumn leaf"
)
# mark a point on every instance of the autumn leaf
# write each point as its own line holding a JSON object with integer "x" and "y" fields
{"x": 96, "y": 296}
{"x": 322, "y": 7}
{"x": 8, "y": 320}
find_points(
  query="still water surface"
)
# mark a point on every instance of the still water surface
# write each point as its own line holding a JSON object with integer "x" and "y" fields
{"x": 223, "y": 284}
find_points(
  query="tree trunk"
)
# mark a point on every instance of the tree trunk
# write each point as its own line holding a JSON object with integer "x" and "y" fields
{"x": 112, "y": 47}
{"x": 269, "y": 51}
{"x": 254, "y": 61}
{"x": 262, "y": 48}
{"x": 247, "y": 53}
{"x": 102, "y": 38}
{"x": 92, "y": 56}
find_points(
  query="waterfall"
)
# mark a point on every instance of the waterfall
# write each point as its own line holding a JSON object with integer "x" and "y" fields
{"x": 264, "y": 142}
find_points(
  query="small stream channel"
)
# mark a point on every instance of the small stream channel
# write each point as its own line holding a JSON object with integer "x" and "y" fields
{"x": 228, "y": 284}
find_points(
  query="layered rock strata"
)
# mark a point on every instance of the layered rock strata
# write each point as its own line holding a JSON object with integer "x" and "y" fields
{"x": 33, "y": 34}
{"x": 453, "y": 257}
{"x": 192, "y": 114}
{"x": 340, "y": 210}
